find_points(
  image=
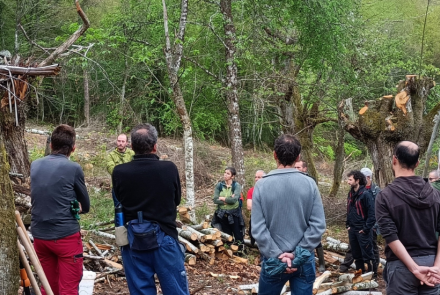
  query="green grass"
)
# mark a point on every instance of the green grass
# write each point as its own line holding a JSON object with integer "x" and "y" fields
{"x": 202, "y": 211}
{"x": 101, "y": 209}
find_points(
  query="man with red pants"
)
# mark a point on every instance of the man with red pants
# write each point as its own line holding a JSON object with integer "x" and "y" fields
{"x": 58, "y": 194}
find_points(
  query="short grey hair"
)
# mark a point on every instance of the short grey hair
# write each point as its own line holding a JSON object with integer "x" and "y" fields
{"x": 264, "y": 173}
{"x": 143, "y": 138}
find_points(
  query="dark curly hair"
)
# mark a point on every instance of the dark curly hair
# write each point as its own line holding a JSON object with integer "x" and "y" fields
{"x": 287, "y": 148}
{"x": 357, "y": 175}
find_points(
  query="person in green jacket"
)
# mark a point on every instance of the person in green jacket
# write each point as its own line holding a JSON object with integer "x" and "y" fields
{"x": 120, "y": 155}
{"x": 228, "y": 214}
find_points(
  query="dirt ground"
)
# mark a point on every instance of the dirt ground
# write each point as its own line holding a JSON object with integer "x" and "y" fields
{"x": 92, "y": 145}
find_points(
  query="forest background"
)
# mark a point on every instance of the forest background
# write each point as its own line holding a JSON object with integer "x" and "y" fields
{"x": 238, "y": 73}
{"x": 234, "y": 73}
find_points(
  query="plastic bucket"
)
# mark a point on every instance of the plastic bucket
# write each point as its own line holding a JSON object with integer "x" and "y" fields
{"x": 87, "y": 283}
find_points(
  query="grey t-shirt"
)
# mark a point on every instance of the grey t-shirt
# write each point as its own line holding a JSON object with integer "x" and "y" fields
{"x": 55, "y": 182}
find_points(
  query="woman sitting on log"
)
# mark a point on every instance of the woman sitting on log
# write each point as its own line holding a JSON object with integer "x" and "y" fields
{"x": 228, "y": 217}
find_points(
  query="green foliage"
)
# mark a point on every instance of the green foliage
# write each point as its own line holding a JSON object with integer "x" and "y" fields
{"x": 36, "y": 153}
{"x": 101, "y": 208}
{"x": 352, "y": 150}
{"x": 202, "y": 211}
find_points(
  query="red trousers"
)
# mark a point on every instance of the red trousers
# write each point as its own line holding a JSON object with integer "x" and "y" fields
{"x": 62, "y": 262}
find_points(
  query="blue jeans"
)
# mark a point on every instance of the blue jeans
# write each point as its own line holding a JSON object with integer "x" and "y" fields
{"x": 165, "y": 261}
{"x": 301, "y": 281}
{"x": 115, "y": 201}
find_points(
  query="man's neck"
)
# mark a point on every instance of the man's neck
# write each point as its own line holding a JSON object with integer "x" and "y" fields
{"x": 403, "y": 172}
{"x": 356, "y": 188}
{"x": 281, "y": 166}
{"x": 123, "y": 151}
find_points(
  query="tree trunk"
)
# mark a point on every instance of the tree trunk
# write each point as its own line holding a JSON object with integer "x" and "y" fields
{"x": 382, "y": 125}
{"x": 9, "y": 266}
{"x": 86, "y": 97}
{"x": 338, "y": 169}
{"x": 14, "y": 141}
{"x": 122, "y": 103}
{"x": 431, "y": 143}
{"x": 339, "y": 159}
{"x": 173, "y": 59}
{"x": 231, "y": 93}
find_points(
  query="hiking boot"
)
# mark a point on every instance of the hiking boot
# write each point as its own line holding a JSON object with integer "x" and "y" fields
{"x": 343, "y": 268}
{"x": 321, "y": 261}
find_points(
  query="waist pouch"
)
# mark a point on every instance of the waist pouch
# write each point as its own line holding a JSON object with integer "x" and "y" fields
{"x": 121, "y": 236}
{"x": 145, "y": 235}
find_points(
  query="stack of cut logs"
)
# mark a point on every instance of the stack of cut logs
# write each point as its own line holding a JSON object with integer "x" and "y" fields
{"x": 345, "y": 282}
{"x": 205, "y": 242}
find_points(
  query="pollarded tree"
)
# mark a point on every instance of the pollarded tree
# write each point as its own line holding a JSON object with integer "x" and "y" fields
{"x": 384, "y": 122}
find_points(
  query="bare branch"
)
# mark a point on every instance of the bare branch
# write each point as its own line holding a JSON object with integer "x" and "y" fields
{"x": 33, "y": 42}
{"x": 277, "y": 35}
{"x": 203, "y": 68}
{"x": 63, "y": 47}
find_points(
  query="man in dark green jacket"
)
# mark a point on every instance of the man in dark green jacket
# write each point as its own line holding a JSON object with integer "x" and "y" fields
{"x": 120, "y": 155}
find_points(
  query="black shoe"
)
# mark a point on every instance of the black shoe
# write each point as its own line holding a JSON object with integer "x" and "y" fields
{"x": 343, "y": 269}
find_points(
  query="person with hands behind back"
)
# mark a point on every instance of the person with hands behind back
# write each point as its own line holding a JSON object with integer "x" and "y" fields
{"x": 287, "y": 222}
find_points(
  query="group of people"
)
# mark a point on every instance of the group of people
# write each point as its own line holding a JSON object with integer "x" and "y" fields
{"x": 287, "y": 218}
{"x": 407, "y": 215}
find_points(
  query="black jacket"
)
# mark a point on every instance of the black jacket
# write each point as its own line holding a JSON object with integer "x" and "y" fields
{"x": 151, "y": 186}
{"x": 360, "y": 209}
{"x": 408, "y": 210}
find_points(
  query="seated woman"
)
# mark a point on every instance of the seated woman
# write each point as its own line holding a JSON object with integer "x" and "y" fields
{"x": 228, "y": 214}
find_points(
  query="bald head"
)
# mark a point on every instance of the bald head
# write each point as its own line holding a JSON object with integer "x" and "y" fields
{"x": 407, "y": 154}
{"x": 433, "y": 175}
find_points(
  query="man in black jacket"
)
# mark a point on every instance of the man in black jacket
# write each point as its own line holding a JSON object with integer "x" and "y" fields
{"x": 149, "y": 192}
{"x": 408, "y": 214}
{"x": 360, "y": 220}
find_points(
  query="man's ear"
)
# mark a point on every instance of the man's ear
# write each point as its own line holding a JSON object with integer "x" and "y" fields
{"x": 73, "y": 149}
{"x": 297, "y": 159}
{"x": 417, "y": 164}
{"x": 275, "y": 156}
{"x": 154, "y": 149}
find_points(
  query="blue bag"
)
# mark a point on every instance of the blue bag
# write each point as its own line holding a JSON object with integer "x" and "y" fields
{"x": 273, "y": 266}
{"x": 301, "y": 256}
{"x": 144, "y": 235}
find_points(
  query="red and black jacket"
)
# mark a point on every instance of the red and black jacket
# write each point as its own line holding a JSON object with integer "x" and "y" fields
{"x": 360, "y": 209}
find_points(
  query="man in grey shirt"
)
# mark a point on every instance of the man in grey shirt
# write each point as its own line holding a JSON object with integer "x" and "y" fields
{"x": 58, "y": 195}
{"x": 287, "y": 218}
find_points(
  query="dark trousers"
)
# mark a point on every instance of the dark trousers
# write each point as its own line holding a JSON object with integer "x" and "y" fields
{"x": 234, "y": 229}
{"x": 348, "y": 260}
{"x": 250, "y": 232}
{"x": 362, "y": 249}
{"x": 376, "y": 248}
{"x": 401, "y": 281}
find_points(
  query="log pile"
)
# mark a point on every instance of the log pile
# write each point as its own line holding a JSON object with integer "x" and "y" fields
{"x": 345, "y": 283}
{"x": 210, "y": 244}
